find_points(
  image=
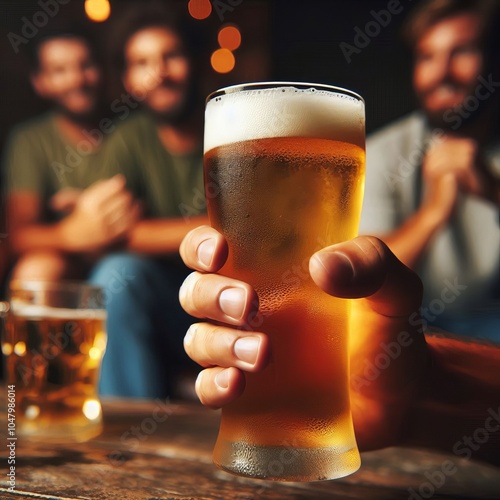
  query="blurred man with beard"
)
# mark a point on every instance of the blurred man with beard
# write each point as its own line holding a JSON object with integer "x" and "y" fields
{"x": 60, "y": 214}
{"x": 158, "y": 147}
{"x": 432, "y": 188}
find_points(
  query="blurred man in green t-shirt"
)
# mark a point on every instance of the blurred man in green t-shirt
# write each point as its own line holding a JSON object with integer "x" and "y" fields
{"x": 158, "y": 147}
{"x": 123, "y": 233}
{"x": 60, "y": 214}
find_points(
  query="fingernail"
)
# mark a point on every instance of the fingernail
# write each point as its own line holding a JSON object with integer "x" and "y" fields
{"x": 205, "y": 252}
{"x": 222, "y": 379}
{"x": 232, "y": 302}
{"x": 247, "y": 348}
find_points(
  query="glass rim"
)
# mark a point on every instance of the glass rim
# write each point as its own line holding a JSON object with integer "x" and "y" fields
{"x": 239, "y": 87}
{"x": 70, "y": 286}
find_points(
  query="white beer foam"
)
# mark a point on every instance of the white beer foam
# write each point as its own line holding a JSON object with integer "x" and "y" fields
{"x": 283, "y": 112}
{"x": 30, "y": 311}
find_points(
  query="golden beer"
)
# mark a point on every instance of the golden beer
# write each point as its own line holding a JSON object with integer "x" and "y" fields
{"x": 279, "y": 193}
{"x": 53, "y": 358}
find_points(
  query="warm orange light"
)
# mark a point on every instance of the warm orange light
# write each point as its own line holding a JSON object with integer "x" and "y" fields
{"x": 222, "y": 60}
{"x": 97, "y": 10}
{"x": 200, "y": 9}
{"x": 229, "y": 37}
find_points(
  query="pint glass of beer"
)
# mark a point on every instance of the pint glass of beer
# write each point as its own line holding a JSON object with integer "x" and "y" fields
{"x": 53, "y": 342}
{"x": 284, "y": 174}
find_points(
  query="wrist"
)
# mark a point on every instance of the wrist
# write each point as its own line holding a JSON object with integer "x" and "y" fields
{"x": 432, "y": 218}
{"x": 66, "y": 235}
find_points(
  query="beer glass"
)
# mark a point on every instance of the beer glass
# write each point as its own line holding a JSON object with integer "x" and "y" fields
{"x": 284, "y": 174}
{"x": 53, "y": 341}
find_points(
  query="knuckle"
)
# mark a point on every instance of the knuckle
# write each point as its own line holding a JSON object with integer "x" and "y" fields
{"x": 209, "y": 345}
{"x": 188, "y": 291}
{"x": 189, "y": 341}
{"x": 197, "y": 347}
{"x": 197, "y": 290}
{"x": 202, "y": 387}
{"x": 199, "y": 388}
{"x": 377, "y": 243}
{"x": 218, "y": 344}
{"x": 189, "y": 236}
{"x": 190, "y": 245}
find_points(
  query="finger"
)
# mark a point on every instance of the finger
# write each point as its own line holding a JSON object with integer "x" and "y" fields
{"x": 366, "y": 267}
{"x": 65, "y": 199}
{"x": 135, "y": 211}
{"x": 204, "y": 249}
{"x": 124, "y": 221}
{"x": 215, "y": 345}
{"x": 218, "y": 298}
{"x": 105, "y": 189}
{"x": 119, "y": 227}
{"x": 116, "y": 182}
{"x": 117, "y": 206}
{"x": 217, "y": 387}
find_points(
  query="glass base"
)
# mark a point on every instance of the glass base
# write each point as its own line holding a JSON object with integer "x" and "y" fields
{"x": 59, "y": 433}
{"x": 280, "y": 463}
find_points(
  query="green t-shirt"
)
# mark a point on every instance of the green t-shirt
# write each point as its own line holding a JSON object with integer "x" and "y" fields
{"x": 169, "y": 185}
{"x": 38, "y": 159}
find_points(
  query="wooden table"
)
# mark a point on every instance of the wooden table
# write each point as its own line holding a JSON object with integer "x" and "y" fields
{"x": 156, "y": 450}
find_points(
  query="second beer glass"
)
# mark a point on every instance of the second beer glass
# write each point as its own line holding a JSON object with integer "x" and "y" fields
{"x": 284, "y": 174}
{"x": 54, "y": 342}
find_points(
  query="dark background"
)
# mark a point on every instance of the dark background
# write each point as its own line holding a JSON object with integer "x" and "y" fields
{"x": 282, "y": 40}
{"x": 306, "y": 46}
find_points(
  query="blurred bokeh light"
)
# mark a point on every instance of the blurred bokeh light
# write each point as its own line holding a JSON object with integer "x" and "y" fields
{"x": 222, "y": 60}
{"x": 200, "y": 9}
{"x": 97, "y": 10}
{"x": 229, "y": 37}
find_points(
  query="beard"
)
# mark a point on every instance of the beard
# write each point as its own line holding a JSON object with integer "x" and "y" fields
{"x": 88, "y": 115}
{"x": 458, "y": 117}
{"x": 182, "y": 109}
{"x": 462, "y": 114}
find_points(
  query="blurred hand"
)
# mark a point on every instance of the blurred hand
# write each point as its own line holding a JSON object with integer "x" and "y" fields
{"x": 65, "y": 200}
{"x": 388, "y": 355}
{"x": 102, "y": 215}
{"x": 461, "y": 158}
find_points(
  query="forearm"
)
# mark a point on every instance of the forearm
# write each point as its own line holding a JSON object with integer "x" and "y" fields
{"x": 37, "y": 237}
{"x": 409, "y": 241}
{"x": 161, "y": 236}
{"x": 458, "y": 410}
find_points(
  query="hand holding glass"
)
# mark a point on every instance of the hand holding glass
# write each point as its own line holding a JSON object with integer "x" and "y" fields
{"x": 284, "y": 172}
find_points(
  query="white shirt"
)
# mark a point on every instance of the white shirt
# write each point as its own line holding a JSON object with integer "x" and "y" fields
{"x": 466, "y": 251}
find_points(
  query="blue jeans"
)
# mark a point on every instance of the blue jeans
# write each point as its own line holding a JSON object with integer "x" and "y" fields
{"x": 145, "y": 325}
{"x": 481, "y": 324}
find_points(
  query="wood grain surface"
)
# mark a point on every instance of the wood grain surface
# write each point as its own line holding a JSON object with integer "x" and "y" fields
{"x": 160, "y": 450}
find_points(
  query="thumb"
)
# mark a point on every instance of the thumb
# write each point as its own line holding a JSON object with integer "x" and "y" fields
{"x": 366, "y": 267}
